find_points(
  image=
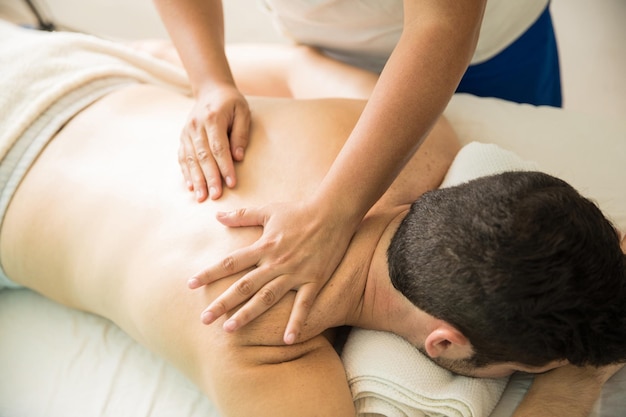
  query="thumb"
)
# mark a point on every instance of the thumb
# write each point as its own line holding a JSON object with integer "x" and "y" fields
{"x": 239, "y": 134}
{"x": 242, "y": 217}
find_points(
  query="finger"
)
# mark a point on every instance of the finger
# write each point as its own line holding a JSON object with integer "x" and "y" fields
{"x": 183, "y": 167}
{"x": 242, "y": 290}
{"x": 237, "y": 261}
{"x": 265, "y": 298}
{"x": 220, "y": 151}
{"x": 208, "y": 174}
{"x": 231, "y": 298}
{"x": 301, "y": 308}
{"x": 196, "y": 177}
{"x": 240, "y": 133}
{"x": 242, "y": 217}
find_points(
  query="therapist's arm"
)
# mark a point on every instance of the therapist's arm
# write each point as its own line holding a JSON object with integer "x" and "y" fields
{"x": 216, "y": 132}
{"x": 304, "y": 241}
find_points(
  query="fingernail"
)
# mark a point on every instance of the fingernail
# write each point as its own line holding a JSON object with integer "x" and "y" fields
{"x": 229, "y": 181}
{"x": 198, "y": 195}
{"x": 193, "y": 283}
{"x": 212, "y": 192}
{"x": 230, "y": 325}
{"x": 290, "y": 338}
{"x": 239, "y": 153}
{"x": 207, "y": 317}
{"x": 190, "y": 185}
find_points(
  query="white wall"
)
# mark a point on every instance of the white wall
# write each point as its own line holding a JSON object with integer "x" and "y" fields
{"x": 592, "y": 41}
{"x": 136, "y": 19}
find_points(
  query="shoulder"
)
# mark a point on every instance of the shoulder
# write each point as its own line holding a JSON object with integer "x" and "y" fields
{"x": 256, "y": 375}
{"x": 426, "y": 169}
{"x": 306, "y": 379}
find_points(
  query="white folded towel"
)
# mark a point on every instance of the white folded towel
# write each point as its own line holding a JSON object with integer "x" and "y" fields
{"x": 40, "y": 68}
{"x": 477, "y": 159}
{"x": 388, "y": 376}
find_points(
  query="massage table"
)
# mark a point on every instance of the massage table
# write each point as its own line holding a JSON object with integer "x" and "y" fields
{"x": 55, "y": 361}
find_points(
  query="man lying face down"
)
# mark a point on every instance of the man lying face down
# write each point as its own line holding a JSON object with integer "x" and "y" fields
{"x": 522, "y": 265}
{"x": 510, "y": 272}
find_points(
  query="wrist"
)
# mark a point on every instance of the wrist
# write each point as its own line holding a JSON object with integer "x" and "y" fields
{"x": 210, "y": 85}
{"x": 338, "y": 212}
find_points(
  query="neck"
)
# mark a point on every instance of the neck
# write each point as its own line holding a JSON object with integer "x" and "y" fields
{"x": 381, "y": 306}
{"x": 360, "y": 293}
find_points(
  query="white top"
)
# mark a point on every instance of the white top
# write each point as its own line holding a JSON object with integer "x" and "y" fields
{"x": 364, "y": 32}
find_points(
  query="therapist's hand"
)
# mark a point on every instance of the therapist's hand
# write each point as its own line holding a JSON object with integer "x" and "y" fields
{"x": 215, "y": 135}
{"x": 300, "y": 248}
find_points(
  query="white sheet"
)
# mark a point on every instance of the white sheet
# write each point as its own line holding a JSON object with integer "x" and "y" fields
{"x": 57, "y": 362}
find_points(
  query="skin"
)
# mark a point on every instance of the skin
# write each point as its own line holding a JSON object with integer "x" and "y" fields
{"x": 435, "y": 48}
{"x": 207, "y": 151}
{"x": 131, "y": 237}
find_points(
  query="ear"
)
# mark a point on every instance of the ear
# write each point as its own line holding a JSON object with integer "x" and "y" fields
{"x": 446, "y": 341}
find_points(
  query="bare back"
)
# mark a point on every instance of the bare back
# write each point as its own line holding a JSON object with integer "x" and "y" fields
{"x": 103, "y": 223}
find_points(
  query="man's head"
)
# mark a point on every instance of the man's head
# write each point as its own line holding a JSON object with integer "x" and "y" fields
{"x": 522, "y": 265}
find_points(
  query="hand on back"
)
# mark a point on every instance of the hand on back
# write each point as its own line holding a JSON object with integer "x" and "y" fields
{"x": 214, "y": 137}
{"x": 299, "y": 250}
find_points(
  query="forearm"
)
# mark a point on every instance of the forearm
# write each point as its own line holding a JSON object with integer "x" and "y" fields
{"x": 196, "y": 28}
{"x": 411, "y": 93}
{"x": 547, "y": 400}
{"x": 569, "y": 391}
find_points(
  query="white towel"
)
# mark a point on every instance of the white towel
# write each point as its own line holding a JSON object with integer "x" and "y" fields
{"x": 39, "y": 68}
{"x": 391, "y": 378}
{"x": 47, "y": 78}
{"x": 388, "y": 376}
{"x": 477, "y": 159}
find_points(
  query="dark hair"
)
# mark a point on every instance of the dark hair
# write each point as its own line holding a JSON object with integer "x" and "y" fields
{"x": 523, "y": 265}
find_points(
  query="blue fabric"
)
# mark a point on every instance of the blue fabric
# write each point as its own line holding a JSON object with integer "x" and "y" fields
{"x": 527, "y": 71}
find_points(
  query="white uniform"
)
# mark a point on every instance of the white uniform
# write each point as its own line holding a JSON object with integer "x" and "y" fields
{"x": 364, "y": 32}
